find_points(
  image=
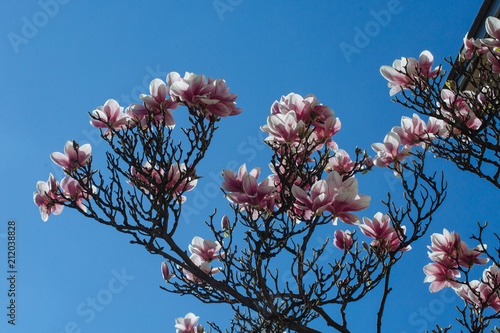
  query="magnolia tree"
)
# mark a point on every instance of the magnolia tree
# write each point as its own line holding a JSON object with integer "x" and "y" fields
{"x": 470, "y": 138}
{"x": 260, "y": 259}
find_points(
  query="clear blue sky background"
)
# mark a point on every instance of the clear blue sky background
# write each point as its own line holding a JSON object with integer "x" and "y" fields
{"x": 84, "y": 53}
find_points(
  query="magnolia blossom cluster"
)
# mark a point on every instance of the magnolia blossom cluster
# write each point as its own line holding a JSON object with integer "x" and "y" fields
{"x": 51, "y": 195}
{"x": 485, "y": 45}
{"x": 334, "y": 195}
{"x": 385, "y": 237}
{"x": 450, "y": 255}
{"x": 453, "y": 106}
{"x": 188, "y": 324}
{"x": 156, "y": 108}
{"x": 297, "y": 122}
{"x": 340, "y": 162}
{"x": 407, "y": 73}
{"x": 412, "y": 132}
{"x": 460, "y": 107}
{"x": 243, "y": 190}
{"x": 483, "y": 293}
{"x": 212, "y": 98}
{"x": 304, "y": 125}
{"x": 149, "y": 177}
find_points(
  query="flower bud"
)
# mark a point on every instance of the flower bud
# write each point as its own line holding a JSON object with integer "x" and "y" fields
{"x": 165, "y": 271}
{"x": 225, "y": 225}
{"x": 343, "y": 240}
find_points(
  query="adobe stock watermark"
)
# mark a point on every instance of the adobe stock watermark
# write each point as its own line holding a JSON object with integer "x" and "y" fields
{"x": 426, "y": 316}
{"x": 210, "y": 183}
{"x": 223, "y": 6}
{"x": 88, "y": 309}
{"x": 371, "y": 29}
{"x": 31, "y": 25}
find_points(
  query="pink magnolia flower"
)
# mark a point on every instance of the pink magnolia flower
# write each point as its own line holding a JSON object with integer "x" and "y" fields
{"x": 333, "y": 195}
{"x": 340, "y": 162}
{"x": 203, "y": 265}
{"x": 187, "y": 184}
{"x": 384, "y": 235}
{"x": 47, "y": 197}
{"x": 72, "y": 191}
{"x": 440, "y": 277}
{"x": 111, "y": 117}
{"x": 491, "y": 276}
{"x": 449, "y": 251}
{"x": 469, "y": 257}
{"x": 295, "y": 118}
{"x": 74, "y": 156}
{"x": 304, "y": 108}
{"x": 412, "y": 131}
{"x": 472, "y": 47}
{"x": 206, "y": 249}
{"x": 234, "y": 182}
{"x": 488, "y": 297}
{"x": 141, "y": 115}
{"x": 424, "y": 67}
{"x": 492, "y": 25}
{"x": 157, "y": 107}
{"x": 457, "y": 105}
{"x": 436, "y": 127}
{"x": 369, "y": 163}
{"x": 221, "y": 102}
{"x": 468, "y": 292}
{"x": 165, "y": 272}
{"x": 285, "y": 128}
{"x": 343, "y": 239}
{"x": 194, "y": 90}
{"x": 188, "y": 324}
{"x": 447, "y": 243}
{"x": 482, "y": 294}
{"x": 406, "y": 73}
{"x": 158, "y": 98}
{"x": 396, "y": 76}
{"x": 243, "y": 189}
{"x": 388, "y": 152}
{"x": 317, "y": 201}
{"x": 345, "y": 199}
{"x": 488, "y": 288}
{"x": 479, "y": 294}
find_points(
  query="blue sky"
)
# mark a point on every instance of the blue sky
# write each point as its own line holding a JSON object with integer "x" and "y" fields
{"x": 61, "y": 60}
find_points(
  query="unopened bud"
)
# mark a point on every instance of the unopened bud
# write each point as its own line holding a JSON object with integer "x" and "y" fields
{"x": 165, "y": 271}
{"x": 225, "y": 223}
